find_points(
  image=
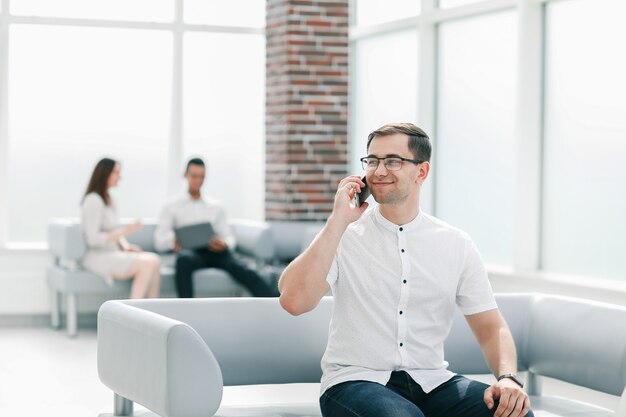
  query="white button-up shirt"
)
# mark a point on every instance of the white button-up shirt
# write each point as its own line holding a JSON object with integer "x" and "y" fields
{"x": 395, "y": 290}
{"x": 184, "y": 211}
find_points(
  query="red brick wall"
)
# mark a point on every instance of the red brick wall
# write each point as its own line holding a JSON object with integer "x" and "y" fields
{"x": 306, "y": 107}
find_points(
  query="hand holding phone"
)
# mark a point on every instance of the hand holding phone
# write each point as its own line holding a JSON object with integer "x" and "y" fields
{"x": 363, "y": 195}
{"x": 347, "y": 208}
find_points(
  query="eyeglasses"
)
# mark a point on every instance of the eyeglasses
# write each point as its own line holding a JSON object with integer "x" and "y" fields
{"x": 392, "y": 163}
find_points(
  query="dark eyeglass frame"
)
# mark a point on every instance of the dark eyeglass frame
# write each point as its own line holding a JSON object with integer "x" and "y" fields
{"x": 366, "y": 168}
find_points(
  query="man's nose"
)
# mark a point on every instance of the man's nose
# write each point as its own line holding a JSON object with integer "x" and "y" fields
{"x": 380, "y": 169}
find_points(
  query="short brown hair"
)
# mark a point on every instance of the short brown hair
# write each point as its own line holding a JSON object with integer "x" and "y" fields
{"x": 419, "y": 142}
{"x": 194, "y": 161}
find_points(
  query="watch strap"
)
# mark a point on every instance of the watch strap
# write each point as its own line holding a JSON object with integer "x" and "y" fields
{"x": 513, "y": 377}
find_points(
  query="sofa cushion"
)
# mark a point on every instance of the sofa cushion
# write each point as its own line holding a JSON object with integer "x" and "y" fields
{"x": 300, "y": 400}
{"x": 271, "y": 400}
{"x": 548, "y": 406}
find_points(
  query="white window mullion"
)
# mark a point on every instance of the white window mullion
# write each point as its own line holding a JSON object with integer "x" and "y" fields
{"x": 176, "y": 130}
{"x": 472, "y": 9}
{"x": 4, "y": 126}
{"x": 427, "y": 91}
{"x": 528, "y": 136}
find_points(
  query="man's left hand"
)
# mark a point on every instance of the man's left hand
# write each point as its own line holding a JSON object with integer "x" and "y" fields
{"x": 217, "y": 244}
{"x": 513, "y": 401}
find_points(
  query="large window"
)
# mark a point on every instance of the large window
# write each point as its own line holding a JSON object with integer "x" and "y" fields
{"x": 385, "y": 89}
{"x": 88, "y": 79}
{"x": 76, "y": 95}
{"x": 227, "y": 12}
{"x": 585, "y": 139}
{"x": 526, "y": 109}
{"x": 475, "y": 130}
{"x": 225, "y": 116}
{"x": 129, "y": 10}
{"x": 446, "y": 4}
{"x": 371, "y": 12}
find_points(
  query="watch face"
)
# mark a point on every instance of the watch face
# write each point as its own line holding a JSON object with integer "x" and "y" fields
{"x": 513, "y": 377}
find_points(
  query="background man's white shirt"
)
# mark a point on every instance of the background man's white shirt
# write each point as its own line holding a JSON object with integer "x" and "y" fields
{"x": 184, "y": 211}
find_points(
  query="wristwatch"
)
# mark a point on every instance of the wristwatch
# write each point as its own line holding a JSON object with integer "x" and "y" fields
{"x": 514, "y": 377}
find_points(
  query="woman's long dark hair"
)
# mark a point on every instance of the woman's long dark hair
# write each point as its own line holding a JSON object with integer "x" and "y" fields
{"x": 99, "y": 179}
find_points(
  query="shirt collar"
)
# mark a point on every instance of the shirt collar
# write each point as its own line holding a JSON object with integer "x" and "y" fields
{"x": 190, "y": 198}
{"x": 392, "y": 227}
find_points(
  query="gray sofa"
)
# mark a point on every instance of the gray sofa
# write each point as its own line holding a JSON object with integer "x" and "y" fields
{"x": 267, "y": 246}
{"x": 175, "y": 356}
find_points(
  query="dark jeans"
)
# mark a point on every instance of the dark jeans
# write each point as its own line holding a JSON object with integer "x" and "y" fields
{"x": 403, "y": 397}
{"x": 189, "y": 261}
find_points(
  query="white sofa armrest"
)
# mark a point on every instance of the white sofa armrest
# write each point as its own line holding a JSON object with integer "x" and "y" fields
{"x": 158, "y": 362}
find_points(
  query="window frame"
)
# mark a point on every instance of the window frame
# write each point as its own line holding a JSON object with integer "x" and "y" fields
{"x": 175, "y": 136}
{"x": 529, "y": 109}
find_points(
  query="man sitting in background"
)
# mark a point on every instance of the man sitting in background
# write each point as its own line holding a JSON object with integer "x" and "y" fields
{"x": 192, "y": 208}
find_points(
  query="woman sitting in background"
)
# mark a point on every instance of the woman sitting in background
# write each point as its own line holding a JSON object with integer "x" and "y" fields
{"x": 109, "y": 253}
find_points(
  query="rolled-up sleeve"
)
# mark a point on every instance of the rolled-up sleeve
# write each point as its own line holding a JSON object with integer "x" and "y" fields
{"x": 92, "y": 215}
{"x": 474, "y": 293}
{"x": 223, "y": 229}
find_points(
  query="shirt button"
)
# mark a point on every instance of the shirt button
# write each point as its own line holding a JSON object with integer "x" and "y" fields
{"x": 404, "y": 281}
{"x": 401, "y": 229}
{"x": 400, "y": 311}
{"x": 401, "y": 344}
{"x": 402, "y": 250}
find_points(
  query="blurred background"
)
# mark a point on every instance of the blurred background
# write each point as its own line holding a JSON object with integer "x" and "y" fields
{"x": 524, "y": 102}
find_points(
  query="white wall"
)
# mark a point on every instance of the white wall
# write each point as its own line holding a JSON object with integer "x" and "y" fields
{"x": 23, "y": 287}
{"x": 503, "y": 280}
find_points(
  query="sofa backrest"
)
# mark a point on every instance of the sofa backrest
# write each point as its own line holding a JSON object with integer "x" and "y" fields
{"x": 66, "y": 240}
{"x": 462, "y": 351}
{"x": 254, "y": 238}
{"x": 254, "y": 340}
{"x": 292, "y": 237}
{"x": 581, "y": 342}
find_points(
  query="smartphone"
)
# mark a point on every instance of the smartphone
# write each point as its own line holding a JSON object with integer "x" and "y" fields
{"x": 363, "y": 195}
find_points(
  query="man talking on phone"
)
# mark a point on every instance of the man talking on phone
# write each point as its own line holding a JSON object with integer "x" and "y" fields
{"x": 194, "y": 208}
{"x": 397, "y": 275}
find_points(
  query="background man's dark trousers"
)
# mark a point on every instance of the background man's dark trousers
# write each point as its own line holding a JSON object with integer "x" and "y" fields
{"x": 189, "y": 261}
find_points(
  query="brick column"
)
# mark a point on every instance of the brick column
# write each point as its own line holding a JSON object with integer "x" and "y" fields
{"x": 306, "y": 108}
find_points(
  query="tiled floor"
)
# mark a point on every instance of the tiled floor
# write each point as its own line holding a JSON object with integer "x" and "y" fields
{"x": 45, "y": 374}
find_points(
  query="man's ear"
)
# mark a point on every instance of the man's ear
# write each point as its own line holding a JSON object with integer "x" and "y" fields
{"x": 423, "y": 170}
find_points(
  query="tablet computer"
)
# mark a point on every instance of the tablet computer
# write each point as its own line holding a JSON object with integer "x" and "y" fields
{"x": 194, "y": 236}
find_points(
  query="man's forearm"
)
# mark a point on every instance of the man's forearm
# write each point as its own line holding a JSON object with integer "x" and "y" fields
{"x": 500, "y": 352}
{"x": 303, "y": 282}
{"x": 495, "y": 341}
